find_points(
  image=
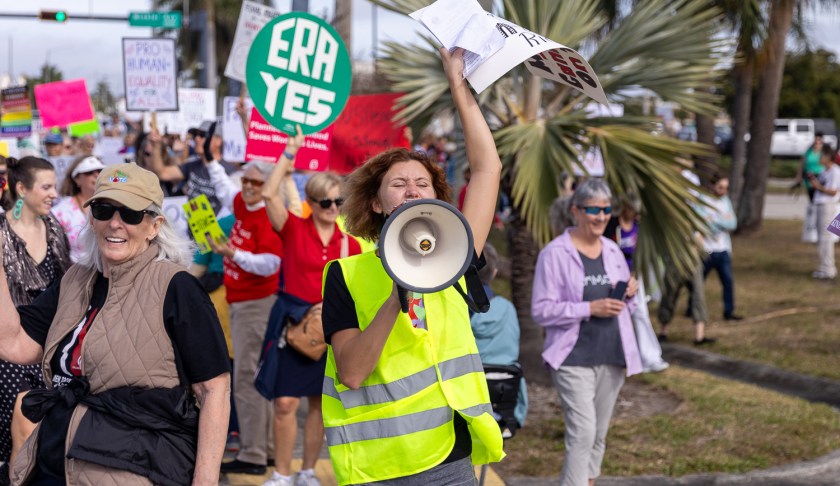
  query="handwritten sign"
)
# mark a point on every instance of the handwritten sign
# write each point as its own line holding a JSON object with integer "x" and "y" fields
{"x": 298, "y": 73}
{"x": 63, "y": 102}
{"x": 266, "y": 143}
{"x": 195, "y": 105}
{"x": 364, "y": 129}
{"x": 235, "y": 139}
{"x": 252, "y": 17}
{"x": 61, "y": 163}
{"x": 202, "y": 222}
{"x": 543, "y": 57}
{"x": 150, "y": 74}
{"x": 17, "y": 112}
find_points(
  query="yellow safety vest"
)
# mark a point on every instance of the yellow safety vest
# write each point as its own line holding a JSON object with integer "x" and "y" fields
{"x": 399, "y": 422}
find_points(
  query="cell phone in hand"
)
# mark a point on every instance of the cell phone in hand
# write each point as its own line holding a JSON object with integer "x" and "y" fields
{"x": 619, "y": 290}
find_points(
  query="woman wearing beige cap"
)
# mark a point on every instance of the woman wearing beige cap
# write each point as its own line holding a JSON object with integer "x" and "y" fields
{"x": 77, "y": 187}
{"x": 130, "y": 347}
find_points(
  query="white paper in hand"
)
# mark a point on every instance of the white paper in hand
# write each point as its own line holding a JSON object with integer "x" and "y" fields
{"x": 464, "y": 24}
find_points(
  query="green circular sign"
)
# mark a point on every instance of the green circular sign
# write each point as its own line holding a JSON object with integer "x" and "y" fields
{"x": 298, "y": 73}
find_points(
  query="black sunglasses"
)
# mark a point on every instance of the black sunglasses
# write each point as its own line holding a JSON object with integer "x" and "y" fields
{"x": 104, "y": 212}
{"x": 326, "y": 203}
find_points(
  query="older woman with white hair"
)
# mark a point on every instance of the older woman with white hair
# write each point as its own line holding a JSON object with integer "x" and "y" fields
{"x": 128, "y": 342}
{"x": 583, "y": 295}
{"x": 252, "y": 268}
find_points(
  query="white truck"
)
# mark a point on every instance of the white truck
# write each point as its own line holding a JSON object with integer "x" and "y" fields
{"x": 792, "y": 137}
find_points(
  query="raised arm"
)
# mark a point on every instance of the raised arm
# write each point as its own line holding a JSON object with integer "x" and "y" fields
{"x": 485, "y": 166}
{"x": 274, "y": 190}
{"x": 166, "y": 173}
{"x": 15, "y": 345}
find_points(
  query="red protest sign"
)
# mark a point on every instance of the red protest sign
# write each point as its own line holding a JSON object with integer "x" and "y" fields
{"x": 364, "y": 129}
{"x": 63, "y": 102}
{"x": 266, "y": 143}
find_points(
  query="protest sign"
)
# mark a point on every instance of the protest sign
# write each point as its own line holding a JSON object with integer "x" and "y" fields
{"x": 150, "y": 74}
{"x": 81, "y": 129}
{"x": 834, "y": 226}
{"x": 298, "y": 73}
{"x": 267, "y": 143}
{"x": 233, "y": 146}
{"x": 364, "y": 129}
{"x": 456, "y": 23}
{"x": 195, "y": 105}
{"x": 4, "y": 148}
{"x": 202, "y": 222}
{"x": 173, "y": 209}
{"x": 17, "y": 112}
{"x": 63, "y": 102}
{"x": 108, "y": 150}
{"x": 252, "y": 17}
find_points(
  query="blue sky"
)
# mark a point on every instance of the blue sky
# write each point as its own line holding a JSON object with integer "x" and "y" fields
{"x": 92, "y": 50}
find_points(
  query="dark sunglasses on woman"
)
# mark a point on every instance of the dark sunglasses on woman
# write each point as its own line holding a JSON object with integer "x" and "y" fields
{"x": 595, "y": 210}
{"x": 105, "y": 211}
{"x": 326, "y": 203}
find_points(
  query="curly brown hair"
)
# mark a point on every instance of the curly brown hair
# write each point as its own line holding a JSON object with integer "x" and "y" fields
{"x": 362, "y": 187}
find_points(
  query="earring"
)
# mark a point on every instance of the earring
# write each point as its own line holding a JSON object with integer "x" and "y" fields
{"x": 18, "y": 211}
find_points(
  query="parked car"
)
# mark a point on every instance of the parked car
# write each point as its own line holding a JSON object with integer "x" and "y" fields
{"x": 792, "y": 137}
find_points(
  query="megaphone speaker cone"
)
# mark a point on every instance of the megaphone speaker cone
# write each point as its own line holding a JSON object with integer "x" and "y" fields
{"x": 426, "y": 245}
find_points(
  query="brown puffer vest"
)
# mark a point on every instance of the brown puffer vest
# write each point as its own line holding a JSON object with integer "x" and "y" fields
{"x": 127, "y": 345}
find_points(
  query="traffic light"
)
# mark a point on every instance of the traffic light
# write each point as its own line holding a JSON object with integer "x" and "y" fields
{"x": 54, "y": 15}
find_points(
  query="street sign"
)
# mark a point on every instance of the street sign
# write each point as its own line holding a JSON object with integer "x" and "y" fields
{"x": 158, "y": 20}
{"x": 298, "y": 73}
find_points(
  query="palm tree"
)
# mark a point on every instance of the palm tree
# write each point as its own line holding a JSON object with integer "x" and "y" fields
{"x": 541, "y": 128}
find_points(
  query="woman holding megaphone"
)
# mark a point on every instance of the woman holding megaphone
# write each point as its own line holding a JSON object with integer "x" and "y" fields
{"x": 405, "y": 393}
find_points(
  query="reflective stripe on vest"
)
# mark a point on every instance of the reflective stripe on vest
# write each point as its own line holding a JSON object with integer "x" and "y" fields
{"x": 389, "y": 427}
{"x": 404, "y": 387}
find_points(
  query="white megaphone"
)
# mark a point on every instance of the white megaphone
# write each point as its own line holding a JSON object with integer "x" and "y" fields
{"x": 426, "y": 245}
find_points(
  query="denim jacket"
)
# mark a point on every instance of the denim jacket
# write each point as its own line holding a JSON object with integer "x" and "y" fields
{"x": 557, "y": 300}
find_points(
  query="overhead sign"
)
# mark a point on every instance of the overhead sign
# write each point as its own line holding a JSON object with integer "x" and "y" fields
{"x": 267, "y": 143}
{"x": 61, "y": 103}
{"x": 158, "y": 20}
{"x": 17, "y": 112}
{"x": 150, "y": 74}
{"x": 252, "y": 18}
{"x": 298, "y": 73}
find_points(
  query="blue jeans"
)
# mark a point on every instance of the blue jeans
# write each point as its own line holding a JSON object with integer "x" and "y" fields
{"x": 721, "y": 261}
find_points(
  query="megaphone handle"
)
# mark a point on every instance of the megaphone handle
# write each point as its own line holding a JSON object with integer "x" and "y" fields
{"x": 403, "y": 296}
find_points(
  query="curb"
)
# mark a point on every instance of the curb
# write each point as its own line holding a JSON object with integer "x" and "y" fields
{"x": 766, "y": 376}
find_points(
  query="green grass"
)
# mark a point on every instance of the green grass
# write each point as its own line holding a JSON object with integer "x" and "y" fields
{"x": 772, "y": 272}
{"x": 717, "y": 426}
{"x": 779, "y": 168}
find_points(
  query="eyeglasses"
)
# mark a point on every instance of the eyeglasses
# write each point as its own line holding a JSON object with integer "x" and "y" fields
{"x": 326, "y": 203}
{"x": 253, "y": 182}
{"x": 104, "y": 212}
{"x": 596, "y": 210}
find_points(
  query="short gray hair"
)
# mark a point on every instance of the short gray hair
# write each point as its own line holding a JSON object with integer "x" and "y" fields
{"x": 171, "y": 246}
{"x": 591, "y": 189}
{"x": 264, "y": 167}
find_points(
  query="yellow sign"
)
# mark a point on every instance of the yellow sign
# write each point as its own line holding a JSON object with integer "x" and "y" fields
{"x": 202, "y": 222}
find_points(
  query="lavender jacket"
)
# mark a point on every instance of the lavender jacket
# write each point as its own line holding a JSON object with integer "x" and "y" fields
{"x": 557, "y": 300}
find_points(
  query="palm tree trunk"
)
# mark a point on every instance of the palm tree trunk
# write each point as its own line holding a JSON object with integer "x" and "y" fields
{"x": 744, "y": 75}
{"x": 764, "y": 114}
{"x": 523, "y": 259}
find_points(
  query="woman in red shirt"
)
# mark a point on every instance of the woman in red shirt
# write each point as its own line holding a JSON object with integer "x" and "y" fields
{"x": 308, "y": 244}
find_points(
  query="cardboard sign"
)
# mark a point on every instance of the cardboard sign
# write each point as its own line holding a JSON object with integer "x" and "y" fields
{"x": 233, "y": 145}
{"x": 195, "y": 105}
{"x": 17, "y": 112}
{"x": 266, "y": 143}
{"x": 173, "y": 211}
{"x": 63, "y": 102}
{"x": 455, "y": 23}
{"x": 150, "y": 74}
{"x": 364, "y": 129}
{"x": 252, "y": 17}
{"x": 202, "y": 222}
{"x": 81, "y": 129}
{"x": 298, "y": 73}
